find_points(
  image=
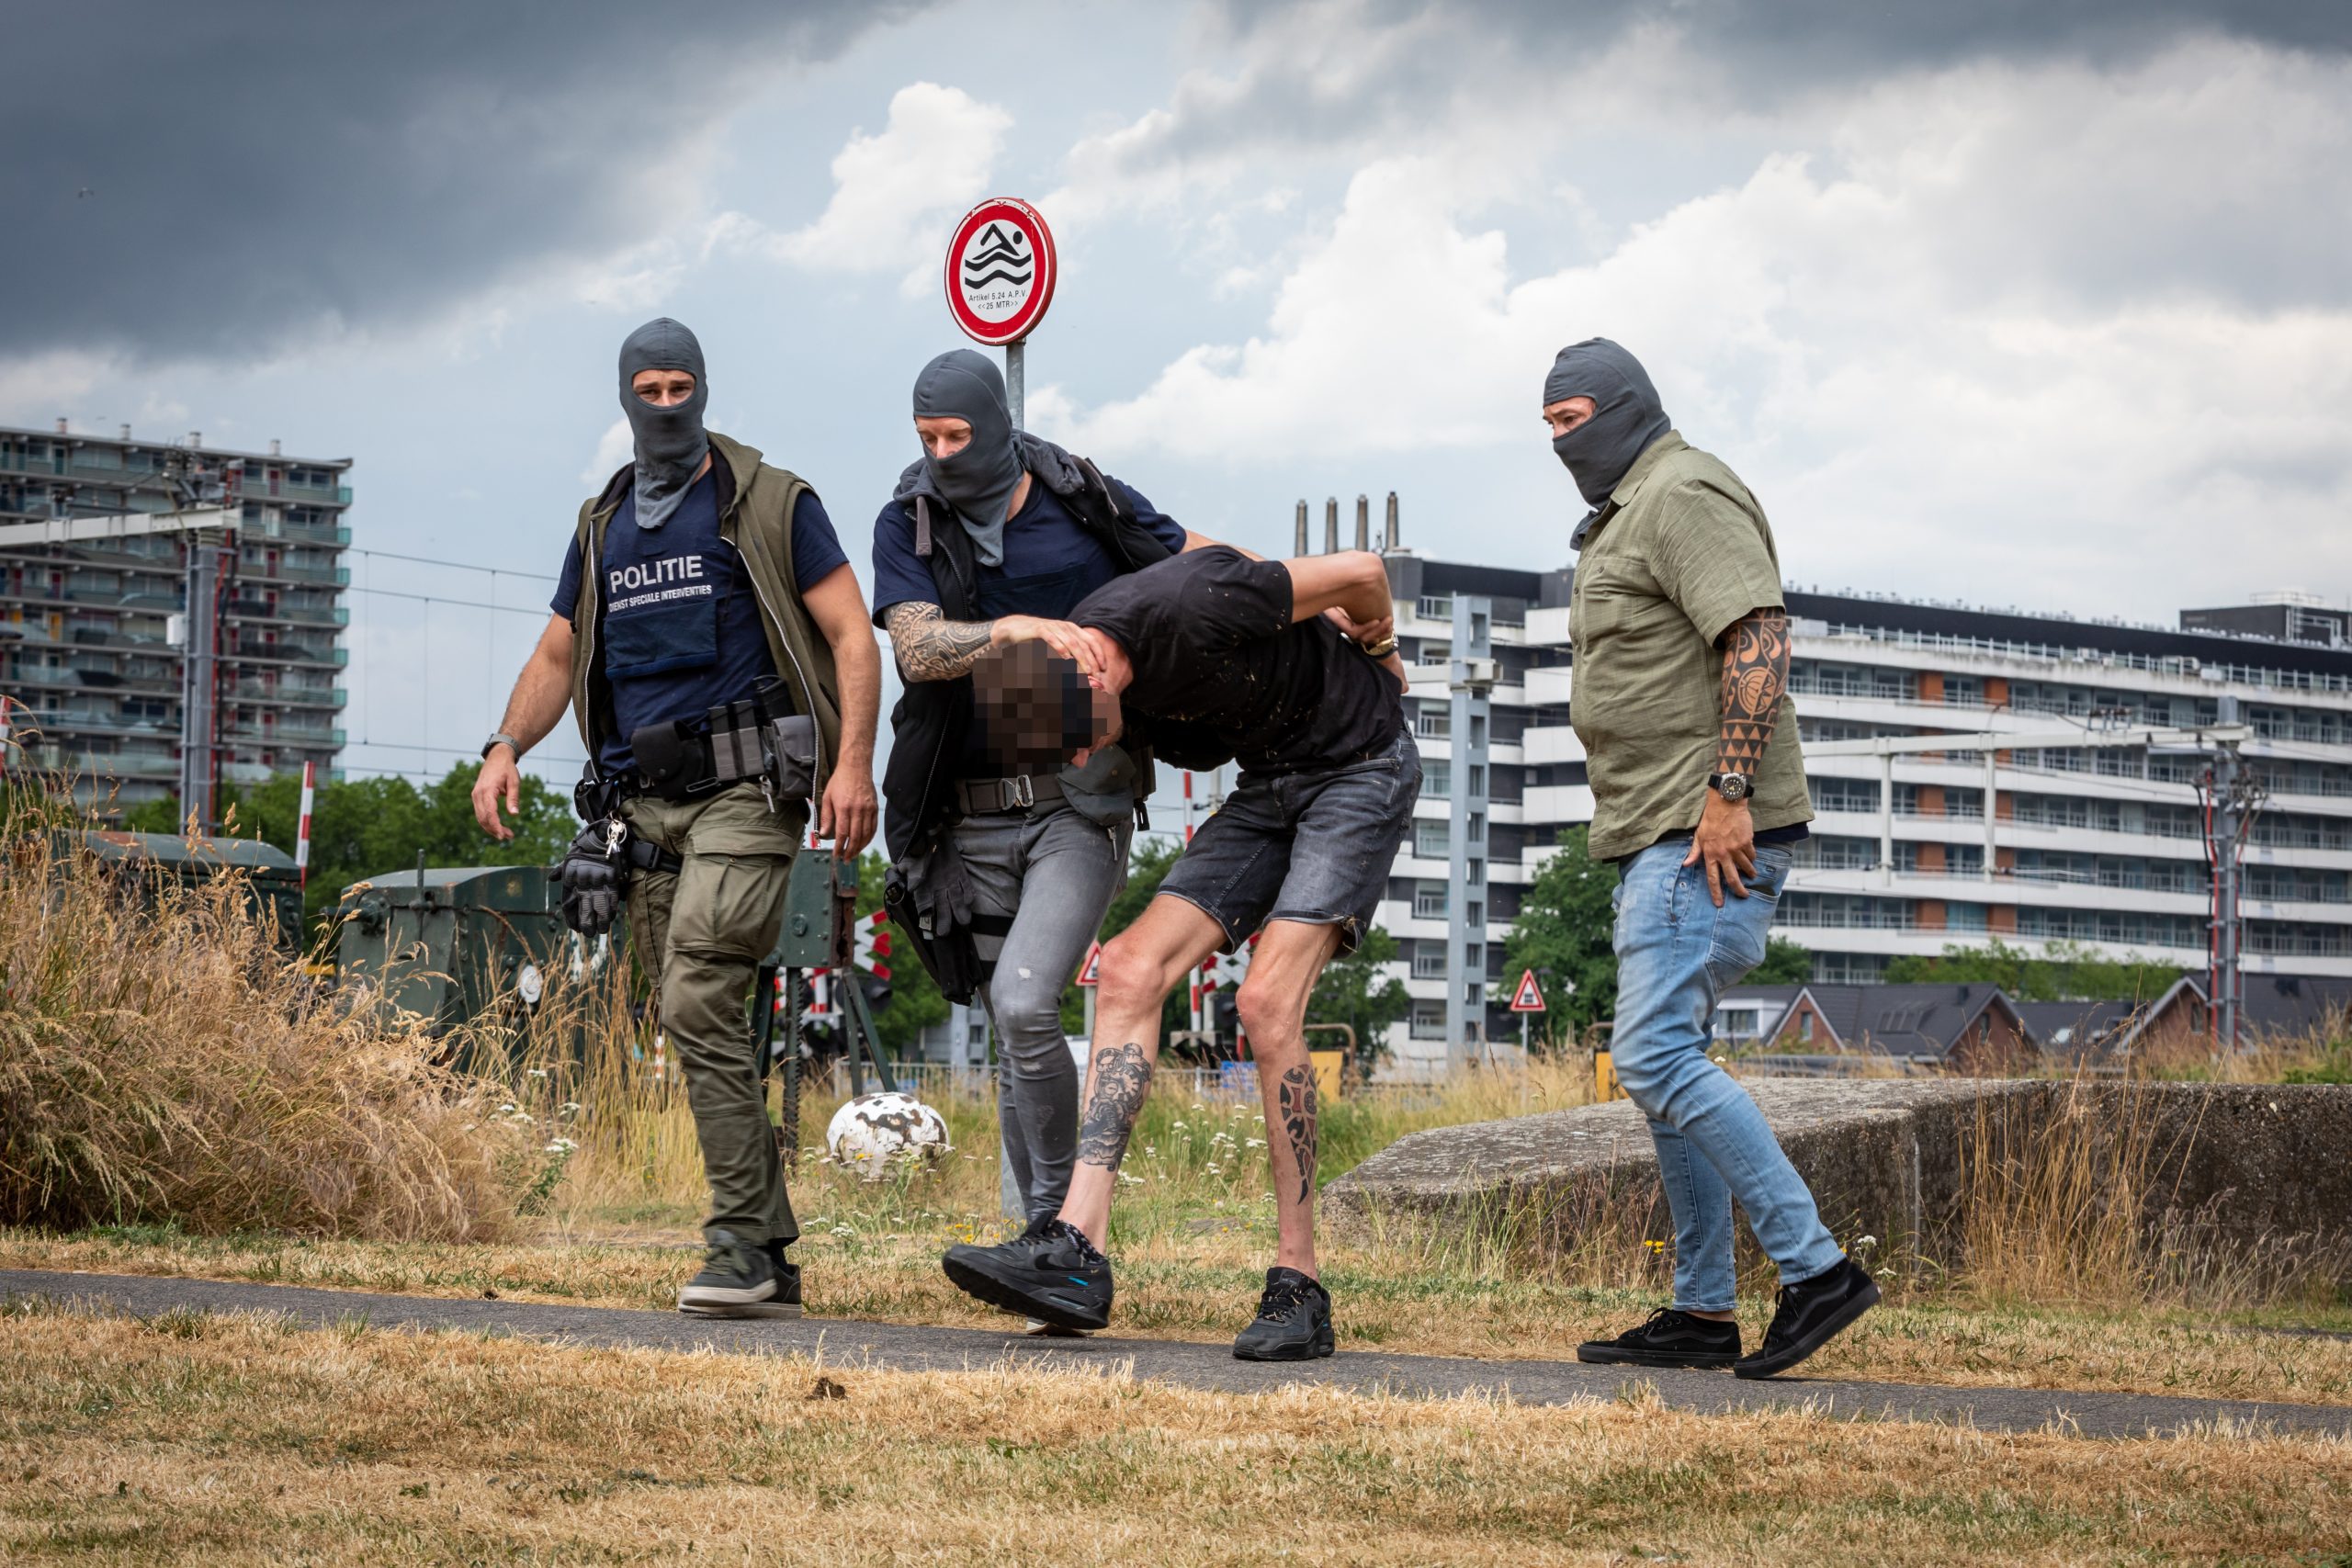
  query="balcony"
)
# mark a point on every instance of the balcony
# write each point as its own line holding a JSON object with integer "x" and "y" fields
{"x": 289, "y": 696}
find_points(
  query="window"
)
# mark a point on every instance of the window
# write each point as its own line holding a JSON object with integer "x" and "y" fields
{"x": 1431, "y": 840}
{"x": 1431, "y": 900}
{"x": 1428, "y": 1021}
{"x": 1437, "y": 778}
{"x": 1429, "y": 961}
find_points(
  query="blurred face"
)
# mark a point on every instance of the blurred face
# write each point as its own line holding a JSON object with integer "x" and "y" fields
{"x": 1567, "y": 415}
{"x": 663, "y": 388}
{"x": 943, "y": 436}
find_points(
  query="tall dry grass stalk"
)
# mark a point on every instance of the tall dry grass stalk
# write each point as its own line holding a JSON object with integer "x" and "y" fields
{"x": 162, "y": 1061}
{"x": 2076, "y": 1199}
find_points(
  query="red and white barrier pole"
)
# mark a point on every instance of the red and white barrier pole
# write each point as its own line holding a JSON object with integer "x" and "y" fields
{"x": 303, "y": 830}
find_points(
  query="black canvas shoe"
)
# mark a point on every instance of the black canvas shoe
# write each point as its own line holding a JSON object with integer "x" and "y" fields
{"x": 787, "y": 1277}
{"x": 739, "y": 1279}
{"x": 1293, "y": 1321}
{"x": 1669, "y": 1338}
{"x": 1809, "y": 1315}
{"x": 1050, "y": 1272}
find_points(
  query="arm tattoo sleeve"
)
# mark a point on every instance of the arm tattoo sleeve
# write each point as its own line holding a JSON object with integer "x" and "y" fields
{"x": 1755, "y": 676}
{"x": 1122, "y": 1078}
{"x": 931, "y": 647}
{"x": 1296, "y": 1089}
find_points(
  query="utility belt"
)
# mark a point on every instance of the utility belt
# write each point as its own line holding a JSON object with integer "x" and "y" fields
{"x": 689, "y": 758}
{"x": 984, "y": 797}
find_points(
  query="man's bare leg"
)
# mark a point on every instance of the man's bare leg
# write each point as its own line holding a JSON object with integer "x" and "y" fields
{"x": 1272, "y": 1008}
{"x": 1139, "y": 967}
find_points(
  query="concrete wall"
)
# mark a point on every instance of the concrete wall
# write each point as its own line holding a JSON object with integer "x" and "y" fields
{"x": 1888, "y": 1159}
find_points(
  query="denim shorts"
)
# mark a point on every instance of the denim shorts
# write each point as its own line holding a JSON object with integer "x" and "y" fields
{"x": 1313, "y": 846}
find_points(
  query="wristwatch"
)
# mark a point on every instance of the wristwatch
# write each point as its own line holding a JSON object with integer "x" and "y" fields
{"x": 1382, "y": 648}
{"x": 1733, "y": 787}
{"x": 506, "y": 740}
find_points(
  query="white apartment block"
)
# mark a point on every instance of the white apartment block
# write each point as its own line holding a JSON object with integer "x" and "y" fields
{"x": 2103, "y": 847}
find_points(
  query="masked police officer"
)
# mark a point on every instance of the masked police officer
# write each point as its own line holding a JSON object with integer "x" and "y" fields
{"x": 703, "y": 595}
{"x": 991, "y": 538}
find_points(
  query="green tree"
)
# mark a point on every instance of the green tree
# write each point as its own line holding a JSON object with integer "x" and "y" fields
{"x": 1564, "y": 932}
{"x": 2067, "y": 972}
{"x": 1785, "y": 963}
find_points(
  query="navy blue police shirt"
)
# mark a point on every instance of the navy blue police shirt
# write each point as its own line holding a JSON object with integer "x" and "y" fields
{"x": 681, "y": 624}
{"x": 1051, "y": 561}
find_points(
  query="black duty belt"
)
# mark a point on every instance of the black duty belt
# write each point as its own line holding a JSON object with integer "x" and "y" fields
{"x": 982, "y": 797}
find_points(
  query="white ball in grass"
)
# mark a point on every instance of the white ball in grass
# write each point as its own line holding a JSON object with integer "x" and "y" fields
{"x": 874, "y": 1132}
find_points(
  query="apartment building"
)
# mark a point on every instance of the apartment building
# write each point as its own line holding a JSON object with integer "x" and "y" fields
{"x": 91, "y": 631}
{"x": 2102, "y": 846}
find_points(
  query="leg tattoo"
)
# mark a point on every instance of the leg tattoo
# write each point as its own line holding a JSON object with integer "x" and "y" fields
{"x": 1296, "y": 1088}
{"x": 1122, "y": 1078}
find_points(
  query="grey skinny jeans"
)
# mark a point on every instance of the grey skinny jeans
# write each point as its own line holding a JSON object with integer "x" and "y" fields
{"x": 1054, "y": 873}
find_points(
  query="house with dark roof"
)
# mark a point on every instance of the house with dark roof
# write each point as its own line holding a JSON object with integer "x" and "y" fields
{"x": 2296, "y": 1004}
{"x": 1961, "y": 1028}
{"x": 2073, "y": 1031}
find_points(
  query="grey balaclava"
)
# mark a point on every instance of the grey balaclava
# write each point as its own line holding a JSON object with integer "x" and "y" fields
{"x": 979, "y": 480}
{"x": 671, "y": 443}
{"x": 1626, "y": 418}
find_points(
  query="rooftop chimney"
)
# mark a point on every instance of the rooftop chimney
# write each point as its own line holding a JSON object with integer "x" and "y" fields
{"x": 60, "y": 424}
{"x": 1302, "y": 527}
{"x": 195, "y": 438}
{"x": 1364, "y": 522}
{"x": 273, "y": 446}
{"x": 1391, "y": 542}
{"x": 1332, "y": 526}
{"x": 126, "y": 433}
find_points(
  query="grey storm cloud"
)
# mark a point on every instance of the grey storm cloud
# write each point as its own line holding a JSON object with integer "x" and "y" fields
{"x": 221, "y": 179}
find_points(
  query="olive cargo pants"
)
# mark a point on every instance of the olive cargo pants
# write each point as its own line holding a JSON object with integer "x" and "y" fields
{"x": 701, "y": 932}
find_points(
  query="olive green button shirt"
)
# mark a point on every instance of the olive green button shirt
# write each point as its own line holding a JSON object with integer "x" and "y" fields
{"x": 1681, "y": 552}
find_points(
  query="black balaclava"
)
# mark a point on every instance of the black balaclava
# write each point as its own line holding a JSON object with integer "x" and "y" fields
{"x": 671, "y": 443}
{"x": 979, "y": 480}
{"x": 1626, "y": 418}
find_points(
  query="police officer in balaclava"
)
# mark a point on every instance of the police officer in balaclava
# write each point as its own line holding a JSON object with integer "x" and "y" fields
{"x": 1681, "y": 638}
{"x": 991, "y": 536}
{"x": 702, "y": 590}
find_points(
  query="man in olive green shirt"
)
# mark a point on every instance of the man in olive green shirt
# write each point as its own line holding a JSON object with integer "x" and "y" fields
{"x": 1680, "y": 697}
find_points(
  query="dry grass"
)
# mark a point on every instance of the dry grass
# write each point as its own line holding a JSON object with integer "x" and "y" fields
{"x": 160, "y": 1059}
{"x": 235, "y": 1440}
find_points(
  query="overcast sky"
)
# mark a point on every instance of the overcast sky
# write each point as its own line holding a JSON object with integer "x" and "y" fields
{"x": 2012, "y": 303}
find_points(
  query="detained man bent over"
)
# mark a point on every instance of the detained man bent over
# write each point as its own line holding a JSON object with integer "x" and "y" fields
{"x": 1214, "y": 657}
{"x": 1699, "y": 797}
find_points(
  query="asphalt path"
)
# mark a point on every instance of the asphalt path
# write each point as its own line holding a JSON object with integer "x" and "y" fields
{"x": 841, "y": 1342}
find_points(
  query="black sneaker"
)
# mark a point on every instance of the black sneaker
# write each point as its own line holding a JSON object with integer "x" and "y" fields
{"x": 1293, "y": 1321}
{"x": 1810, "y": 1312}
{"x": 1669, "y": 1338}
{"x": 739, "y": 1279}
{"x": 787, "y": 1277}
{"x": 1050, "y": 1272}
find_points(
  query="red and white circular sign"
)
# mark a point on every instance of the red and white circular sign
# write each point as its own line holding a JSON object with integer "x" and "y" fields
{"x": 1000, "y": 271}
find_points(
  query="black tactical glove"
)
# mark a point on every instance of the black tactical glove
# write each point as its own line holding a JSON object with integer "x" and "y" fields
{"x": 595, "y": 875}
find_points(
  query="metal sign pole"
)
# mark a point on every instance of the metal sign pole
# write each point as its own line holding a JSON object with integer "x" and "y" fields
{"x": 1015, "y": 378}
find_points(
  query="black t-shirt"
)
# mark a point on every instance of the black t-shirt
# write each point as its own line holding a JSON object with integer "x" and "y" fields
{"x": 1223, "y": 673}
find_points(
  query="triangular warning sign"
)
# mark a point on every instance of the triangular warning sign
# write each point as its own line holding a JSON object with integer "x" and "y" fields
{"x": 1529, "y": 997}
{"x": 1088, "y": 972}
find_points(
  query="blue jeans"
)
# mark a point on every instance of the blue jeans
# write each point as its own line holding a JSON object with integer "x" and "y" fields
{"x": 1676, "y": 952}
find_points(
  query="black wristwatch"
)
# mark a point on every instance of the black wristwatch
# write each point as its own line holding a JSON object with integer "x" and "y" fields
{"x": 1733, "y": 787}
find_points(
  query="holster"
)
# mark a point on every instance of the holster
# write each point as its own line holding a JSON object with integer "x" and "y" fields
{"x": 943, "y": 941}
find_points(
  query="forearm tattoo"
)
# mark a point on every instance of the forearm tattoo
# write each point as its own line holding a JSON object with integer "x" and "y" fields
{"x": 1122, "y": 1078}
{"x": 1296, "y": 1089}
{"x": 1755, "y": 676}
{"x": 931, "y": 647}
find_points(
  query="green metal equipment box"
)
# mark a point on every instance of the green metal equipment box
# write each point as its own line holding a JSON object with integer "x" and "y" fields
{"x": 451, "y": 945}
{"x": 273, "y": 886}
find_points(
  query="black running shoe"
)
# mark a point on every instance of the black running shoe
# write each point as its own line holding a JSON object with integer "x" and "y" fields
{"x": 740, "y": 1280}
{"x": 788, "y": 1276}
{"x": 1810, "y": 1314}
{"x": 1293, "y": 1321}
{"x": 1669, "y": 1338}
{"x": 1050, "y": 1272}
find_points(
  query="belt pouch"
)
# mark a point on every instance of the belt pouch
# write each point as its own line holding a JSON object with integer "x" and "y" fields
{"x": 675, "y": 760}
